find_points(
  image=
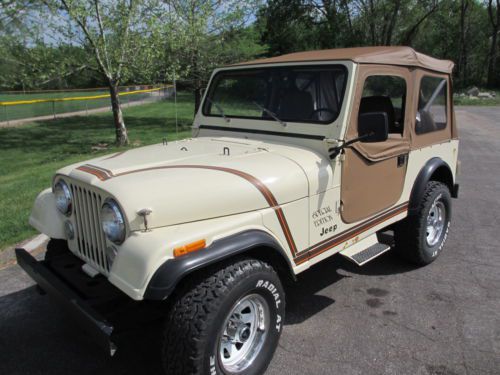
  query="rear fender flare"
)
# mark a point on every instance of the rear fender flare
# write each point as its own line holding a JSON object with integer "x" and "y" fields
{"x": 435, "y": 169}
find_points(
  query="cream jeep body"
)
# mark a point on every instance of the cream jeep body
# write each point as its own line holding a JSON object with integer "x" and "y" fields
{"x": 241, "y": 175}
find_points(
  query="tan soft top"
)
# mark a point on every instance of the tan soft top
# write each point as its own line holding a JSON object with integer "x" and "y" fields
{"x": 405, "y": 56}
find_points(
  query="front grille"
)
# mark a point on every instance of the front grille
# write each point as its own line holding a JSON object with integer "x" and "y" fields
{"x": 89, "y": 235}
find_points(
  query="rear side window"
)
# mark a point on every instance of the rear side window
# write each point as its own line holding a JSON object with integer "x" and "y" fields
{"x": 432, "y": 105}
{"x": 383, "y": 93}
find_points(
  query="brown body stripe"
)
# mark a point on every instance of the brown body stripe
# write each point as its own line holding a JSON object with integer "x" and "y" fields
{"x": 299, "y": 257}
{"x": 101, "y": 175}
{"x": 331, "y": 242}
{"x": 115, "y": 155}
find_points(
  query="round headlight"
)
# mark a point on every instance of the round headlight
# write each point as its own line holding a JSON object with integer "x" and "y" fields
{"x": 63, "y": 197}
{"x": 113, "y": 223}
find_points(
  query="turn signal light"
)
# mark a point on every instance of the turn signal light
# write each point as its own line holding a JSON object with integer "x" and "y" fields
{"x": 189, "y": 248}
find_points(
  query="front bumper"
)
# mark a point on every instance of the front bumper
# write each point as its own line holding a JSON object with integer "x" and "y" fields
{"x": 90, "y": 320}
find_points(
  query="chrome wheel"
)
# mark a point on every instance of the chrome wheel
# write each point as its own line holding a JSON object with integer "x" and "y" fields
{"x": 436, "y": 220}
{"x": 244, "y": 333}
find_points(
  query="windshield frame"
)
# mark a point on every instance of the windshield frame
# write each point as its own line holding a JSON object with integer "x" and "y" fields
{"x": 297, "y": 67}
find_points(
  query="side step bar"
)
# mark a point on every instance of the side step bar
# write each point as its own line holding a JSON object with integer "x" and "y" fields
{"x": 363, "y": 254}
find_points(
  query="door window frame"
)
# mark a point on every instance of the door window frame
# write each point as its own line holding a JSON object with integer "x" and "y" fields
{"x": 396, "y": 144}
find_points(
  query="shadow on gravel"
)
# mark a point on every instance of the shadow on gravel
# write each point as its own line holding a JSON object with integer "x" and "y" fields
{"x": 303, "y": 302}
{"x": 38, "y": 338}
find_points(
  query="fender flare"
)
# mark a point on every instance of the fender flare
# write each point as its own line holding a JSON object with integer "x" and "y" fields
{"x": 434, "y": 167}
{"x": 170, "y": 273}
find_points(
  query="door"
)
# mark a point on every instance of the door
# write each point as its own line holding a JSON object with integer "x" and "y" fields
{"x": 373, "y": 174}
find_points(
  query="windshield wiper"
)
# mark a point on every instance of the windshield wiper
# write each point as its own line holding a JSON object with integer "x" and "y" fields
{"x": 219, "y": 108}
{"x": 270, "y": 113}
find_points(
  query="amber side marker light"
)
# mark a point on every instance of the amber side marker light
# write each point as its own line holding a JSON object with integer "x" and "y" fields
{"x": 189, "y": 248}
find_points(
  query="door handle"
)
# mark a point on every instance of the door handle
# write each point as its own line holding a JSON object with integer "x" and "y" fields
{"x": 402, "y": 160}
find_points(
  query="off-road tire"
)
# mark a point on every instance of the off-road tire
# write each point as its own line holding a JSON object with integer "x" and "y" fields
{"x": 410, "y": 234}
{"x": 198, "y": 314}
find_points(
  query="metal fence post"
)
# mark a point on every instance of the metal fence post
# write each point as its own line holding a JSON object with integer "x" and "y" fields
{"x": 54, "y": 108}
{"x": 6, "y": 115}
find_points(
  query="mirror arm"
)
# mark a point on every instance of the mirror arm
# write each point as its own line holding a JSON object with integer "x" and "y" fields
{"x": 335, "y": 151}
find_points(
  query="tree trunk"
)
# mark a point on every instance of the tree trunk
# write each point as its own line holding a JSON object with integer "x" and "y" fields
{"x": 349, "y": 20}
{"x": 492, "y": 58}
{"x": 492, "y": 74}
{"x": 197, "y": 97}
{"x": 372, "y": 20}
{"x": 392, "y": 23}
{"x": 197, "y": 81}
{"x": 462, "y": 60}
{"x": 120, "y": 129}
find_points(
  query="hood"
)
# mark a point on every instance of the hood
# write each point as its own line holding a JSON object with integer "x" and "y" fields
{"x": 196, "y": 179}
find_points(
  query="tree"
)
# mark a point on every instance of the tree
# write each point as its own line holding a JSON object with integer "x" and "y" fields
{"x": 203, "y": 34}
{"x": 494, "y": 17}
{"x": 450, "y": 29}
{"x": 115, "y": 33}
{"x": 298, "y": 25}
{"x": 311, "y": 24}
{"x": 14, "y": 14}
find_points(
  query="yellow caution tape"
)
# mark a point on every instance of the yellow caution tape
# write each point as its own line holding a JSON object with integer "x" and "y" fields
{"x": 76, "y": 98}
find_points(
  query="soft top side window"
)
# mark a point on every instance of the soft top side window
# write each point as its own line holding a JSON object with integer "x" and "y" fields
{"x": 385, "y": 93}
{"x": 432, "y": 105}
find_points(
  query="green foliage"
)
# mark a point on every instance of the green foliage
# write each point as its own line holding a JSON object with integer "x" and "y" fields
{"x": 287, "y": 26}
{"x": 152, "y": 40}
{"x": 42, "y": 66}
{"x": 201, "y": 35}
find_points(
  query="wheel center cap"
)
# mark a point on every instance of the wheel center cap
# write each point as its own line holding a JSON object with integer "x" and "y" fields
{"x": 244, "y": 333}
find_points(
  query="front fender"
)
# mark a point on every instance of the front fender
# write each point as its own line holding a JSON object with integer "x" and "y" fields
{"x": 172, "y": 271}
{"x": 45, "y": 217}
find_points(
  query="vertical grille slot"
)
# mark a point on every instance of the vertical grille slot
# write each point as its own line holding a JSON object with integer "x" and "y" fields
{"x": 90, "y": 237}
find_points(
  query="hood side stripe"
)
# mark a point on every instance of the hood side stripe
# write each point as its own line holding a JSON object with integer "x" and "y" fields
{"x": 105, "y": 174}
{"x": 101, "y": 175}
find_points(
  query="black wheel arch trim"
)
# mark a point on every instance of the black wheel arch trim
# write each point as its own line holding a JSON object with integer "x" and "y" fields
{"x": 170, "y": 273}
{"x": 425, "y": 175}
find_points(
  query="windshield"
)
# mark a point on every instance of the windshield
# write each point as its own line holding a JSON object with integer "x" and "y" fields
{"x": 292, "y": 94}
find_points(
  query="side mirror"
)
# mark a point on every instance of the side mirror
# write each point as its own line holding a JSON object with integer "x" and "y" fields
{"x": 373, "y": 127}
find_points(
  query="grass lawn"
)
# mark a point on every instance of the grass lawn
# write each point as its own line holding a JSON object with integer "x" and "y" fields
{"x": 30, "y": 154}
